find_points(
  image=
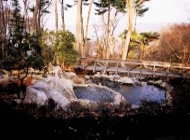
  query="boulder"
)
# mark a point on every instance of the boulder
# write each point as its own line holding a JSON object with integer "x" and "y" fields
{"x": 35, "y": 96}
{"x": 125, "y": 80}
{"x": 55, "y": 87}
{"x": 42, "y": 86}
{"x": 60, "y": 100}
{"x": 69, "y": 75}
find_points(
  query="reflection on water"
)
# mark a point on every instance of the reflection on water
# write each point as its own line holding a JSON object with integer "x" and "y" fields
{"x": 93, "y": 94}
{"x": 135, "y": 94}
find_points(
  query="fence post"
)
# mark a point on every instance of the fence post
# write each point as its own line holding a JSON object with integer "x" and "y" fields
{"x": 117, "y": 68}
{"x": 94, "y": 70}
{"x": 154, "y": 68}
{"x": 167, "y": 73}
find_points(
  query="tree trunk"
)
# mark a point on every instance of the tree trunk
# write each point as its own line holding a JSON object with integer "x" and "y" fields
{"x": 34, "y": 19}
{"x": 3, "y": 30}
{"x": 87, "y": 23}
{"x": 82, "y": 33}
{"x": 63, "y": 15}
{"x": 78, "y": 27}
{"x": 131, "y": 8}
{"x": 108, "y": 34}
{"x": 102, "y": 39}
{"x": 38, "y": 21}
{"x": 129, "y": 5}
{"x": 26, "y": 14}
{"x": 56, "y": 16}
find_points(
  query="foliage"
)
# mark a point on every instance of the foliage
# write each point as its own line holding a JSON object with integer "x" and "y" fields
{"x": 60, "y": 47}
{"x": 139, "y": 42}
{"x": 46, "y": 43}
{"x": 140, "y": 10}
{"x": 39, "y": 10}
{"x": 102, "y": 6}
{"x": 23, "y": 50}
{"x": 174, "y": 45}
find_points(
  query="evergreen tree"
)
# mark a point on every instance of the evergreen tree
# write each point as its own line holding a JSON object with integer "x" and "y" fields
{"x": 58, "y": 47}
{"x": 24, "y": 50}
{"x": 103, "y": 6}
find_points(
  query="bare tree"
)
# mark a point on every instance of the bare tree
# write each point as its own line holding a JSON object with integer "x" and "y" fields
{"x": 174, "y": 44}
{"x": 39, "y": 10}
{"x": 106, "y": 42}
{"x": 34, "y": 18}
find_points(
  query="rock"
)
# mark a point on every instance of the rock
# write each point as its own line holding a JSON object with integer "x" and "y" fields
{"x": 17, "y": 101}
{"x": 85, "y": 103}
{"x": 118, "y": 99}
{"x": 141, "y": 83}
{"x": 33, "y": 81}
{"x": 104, "y": 75}
{"x": 116, "y": 76}
{"x": 98, "y": 74}
{"x": 35, "y": 96}
{"x": 168, "y": 95}
{"x": 89, "y": 82}
{"x": 60, "y": 100}
{"x": 125, "y": 80}
{"x": 65, "y": 86}
{"x": 30, "y": 70}
{"x": 163, "y": 84}
{"x": 21, "y": 95}
{"x": 111, "y": 77}
{"x": 87, "y": 77}
{"x": 57, "y": 71}
{"x": 15, "y": 96}
{"x": 42, "y": 86}
{"x": 69, "y": 75}
{"x": 57, "y": 87}
{"x": 151, "y": 82}
{"x": 158, "y": 82}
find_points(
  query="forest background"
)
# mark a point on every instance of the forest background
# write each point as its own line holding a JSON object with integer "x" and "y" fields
{"x": 114, "y": 29}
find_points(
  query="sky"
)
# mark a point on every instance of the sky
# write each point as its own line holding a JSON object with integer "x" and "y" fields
{"x": 165, "y": 12}
{"x": 161, "y": 13}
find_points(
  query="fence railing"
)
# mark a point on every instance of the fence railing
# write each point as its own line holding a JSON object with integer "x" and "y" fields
{"x": 135, "y": 66}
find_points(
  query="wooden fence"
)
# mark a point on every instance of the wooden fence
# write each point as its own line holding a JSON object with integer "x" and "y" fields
{"x": 154, "y": 68}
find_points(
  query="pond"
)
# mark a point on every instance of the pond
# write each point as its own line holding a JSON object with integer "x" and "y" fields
{"x": 134, "y": 94}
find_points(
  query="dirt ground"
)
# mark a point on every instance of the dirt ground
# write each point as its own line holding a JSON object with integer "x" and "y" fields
{"x": 18, "y": 121}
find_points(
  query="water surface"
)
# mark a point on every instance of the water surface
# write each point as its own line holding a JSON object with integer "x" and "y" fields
{"x": 135, "y": 94}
